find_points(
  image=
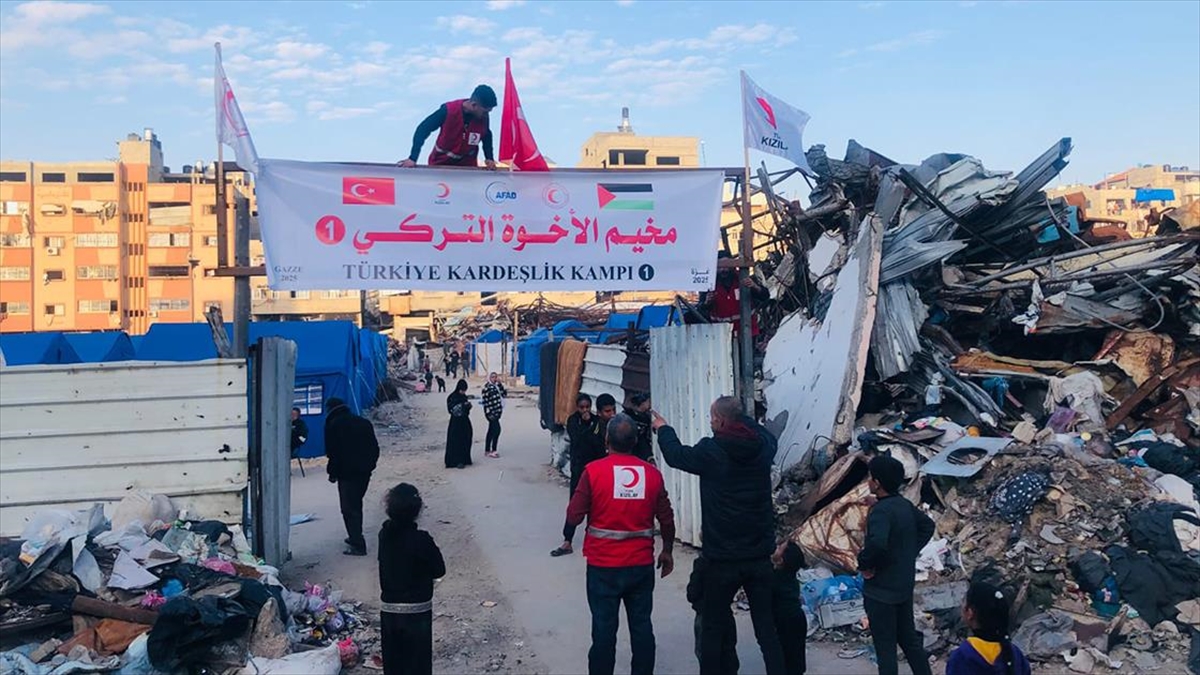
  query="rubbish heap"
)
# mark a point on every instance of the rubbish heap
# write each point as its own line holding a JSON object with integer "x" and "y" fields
{"x": 1038, "y": 376}
{"x": 156, "y": 592}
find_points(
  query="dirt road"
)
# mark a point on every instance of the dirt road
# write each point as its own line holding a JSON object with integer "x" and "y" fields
{"x": 505, "y": 605}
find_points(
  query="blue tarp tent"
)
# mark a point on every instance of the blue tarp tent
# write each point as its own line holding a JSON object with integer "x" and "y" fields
{"x": 328, "y": 362}
{"x": 102, "y": 347}
{"x": 373, "y": 352}
{"x": 617, "y": 324}
{"x": 528, "y": 363}
{"x": 1144, "y": 195}
{"x": 26, "y": 349}
{"x": 655, "y": 316}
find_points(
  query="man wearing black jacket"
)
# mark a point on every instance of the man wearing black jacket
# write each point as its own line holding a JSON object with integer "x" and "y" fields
{"x": 353, "y": 452}
{"x": 734, "y": 467}
{"x": 896, "y": 533}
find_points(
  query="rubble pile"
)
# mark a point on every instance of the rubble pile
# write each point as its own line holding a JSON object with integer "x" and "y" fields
{"x": 1037, "y": 374}
{"x": 157, "y": 592}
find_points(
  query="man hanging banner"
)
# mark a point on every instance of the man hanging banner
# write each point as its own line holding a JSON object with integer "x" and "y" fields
{"x": 773, "y": 126}
{"x": 345, "y": 226}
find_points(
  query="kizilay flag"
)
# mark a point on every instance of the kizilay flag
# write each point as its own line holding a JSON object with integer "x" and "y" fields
{"x": 231, "y": 126}
{"x": 516, "y": 140}
{"x": 772, "y": 125}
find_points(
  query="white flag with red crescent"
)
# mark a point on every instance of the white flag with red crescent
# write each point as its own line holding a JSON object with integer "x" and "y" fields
{"x": 231, "y": 126}
{"x": 773, "y": 126}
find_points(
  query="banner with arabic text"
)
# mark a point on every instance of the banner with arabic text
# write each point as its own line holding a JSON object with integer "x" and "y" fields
{"x": 346, "y": 226}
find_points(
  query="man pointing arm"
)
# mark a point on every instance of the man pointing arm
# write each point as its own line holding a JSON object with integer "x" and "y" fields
{"x": 462, "y": 126}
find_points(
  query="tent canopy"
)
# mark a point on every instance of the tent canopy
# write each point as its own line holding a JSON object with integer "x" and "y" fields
{"x": 102, "y": 347}
{"x": 26, "y": 349}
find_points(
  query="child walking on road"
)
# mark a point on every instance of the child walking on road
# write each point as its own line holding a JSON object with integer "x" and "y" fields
{"x": 409, "y": 561}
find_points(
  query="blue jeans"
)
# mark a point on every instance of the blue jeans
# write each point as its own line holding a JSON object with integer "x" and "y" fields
{"x": 607, "y": 587}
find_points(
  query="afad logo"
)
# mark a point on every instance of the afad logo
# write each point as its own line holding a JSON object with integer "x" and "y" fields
{"x": 773, "y": 141}
{"x": 499, "y": 192}
{"x": 556, "y": 196}
{"x": 441, "y": 194}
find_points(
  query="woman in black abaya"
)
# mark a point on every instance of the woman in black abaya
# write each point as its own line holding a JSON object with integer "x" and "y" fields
{"x": 460, "y": 434}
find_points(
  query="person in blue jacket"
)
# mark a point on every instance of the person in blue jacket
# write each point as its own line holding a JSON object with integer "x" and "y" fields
{"x": 988, "y": 651}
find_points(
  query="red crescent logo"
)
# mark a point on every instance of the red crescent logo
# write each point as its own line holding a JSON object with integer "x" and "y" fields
{"x": 636, "y": 477}
{"x": 444, "y": 191}
{"x": 770, "y": 112}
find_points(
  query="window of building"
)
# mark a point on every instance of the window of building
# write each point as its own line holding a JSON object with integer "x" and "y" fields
{"x": 54, "y": 275}
{"x": 52, "y": 210}
{"x": 14, "y": 307}
{"x": 15, "y": 240}
{"x": 12, "y": 176}
{"x": 210, "y": 209}
{"x": 97, "y": 306}
{"x": 210, "y": 304}
{"x": 170, "y": 239}
{"x": 13, "y": 208}
{"x": 309, "y": 398}
{"x": 14, "y": 274}
{"x": 667, "y": 161}
{"x": 627, "y": 157}
{"x": 92, "y": 177}
{"x": 54, "y": 242}
{"x": 55, "y": 310}
{"x": 169, "y": 305}
{"x": 169, "y": 271}
{"x": 96, "y": 240}
{"x": 260, "y": 293}
{"x": 54, "y": 177}
{"x": 300, "y": 295}
{"x": 210, "y": 241}
{"x": 106, "y": 272}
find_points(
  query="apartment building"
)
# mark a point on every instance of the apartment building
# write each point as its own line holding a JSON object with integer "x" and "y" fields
{"x": 1129, "y": 195}
{"x": 111, "y": 245}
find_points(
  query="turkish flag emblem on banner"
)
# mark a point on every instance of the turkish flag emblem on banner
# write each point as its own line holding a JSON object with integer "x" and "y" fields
{"x": 369, "y": 191}
{"x": 517, "y": 146}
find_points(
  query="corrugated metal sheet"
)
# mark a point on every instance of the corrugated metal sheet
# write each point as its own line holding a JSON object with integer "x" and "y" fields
{"x": 602, "y": 371}
{"x": 690, "y": 367}
{"x": 75, "y": 435}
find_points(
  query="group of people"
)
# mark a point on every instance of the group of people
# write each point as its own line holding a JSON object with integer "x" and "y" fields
{"x": 621, "y": 496}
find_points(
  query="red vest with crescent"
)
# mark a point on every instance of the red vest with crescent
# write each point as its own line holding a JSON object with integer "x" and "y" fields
{"x": 459, "y": 139}
{"x": 625, "y": 491}
{"x": 727, "y": 306}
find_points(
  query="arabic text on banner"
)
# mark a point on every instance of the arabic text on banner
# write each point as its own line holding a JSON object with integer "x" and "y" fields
{"x": 338, "y": 226}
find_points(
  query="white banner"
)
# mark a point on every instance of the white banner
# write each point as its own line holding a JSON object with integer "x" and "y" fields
{"x": 345, "y": 226}
{"x": 771, "y": 125}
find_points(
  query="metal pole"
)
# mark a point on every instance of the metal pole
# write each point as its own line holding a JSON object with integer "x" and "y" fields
{"x": 241, "y": 283}
{"x": 222, "y": 207}
{"x": 746, "y": 333}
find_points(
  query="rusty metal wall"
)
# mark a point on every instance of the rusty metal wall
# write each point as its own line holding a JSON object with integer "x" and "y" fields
{"x": 690, "y": 367}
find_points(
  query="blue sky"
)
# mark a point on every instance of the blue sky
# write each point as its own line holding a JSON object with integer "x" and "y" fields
{"x": 350, "y": 80}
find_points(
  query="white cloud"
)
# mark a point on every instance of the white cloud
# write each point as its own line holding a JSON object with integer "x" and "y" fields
{"x": 290, "y": 50}
{"x": 344, "y": 113}
{"x": 273, "y": 111}
{"x": 625, "y": 3}
{"x": 461, "y": 23}
{"x": 228, "y": 36}
{"x": 95, "y": 46}
{"x": 523, "y": 34}
{"x": 44, "y": 11}
{"x": 500, "y": 5}
{"x": 376, "y": 49}
{"x": 916, "y": 39}
{"x": 111, "y": 100}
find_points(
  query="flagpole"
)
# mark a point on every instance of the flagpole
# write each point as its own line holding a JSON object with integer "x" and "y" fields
{"x": 220, "y": 206}
{"x": 747, "y": 259}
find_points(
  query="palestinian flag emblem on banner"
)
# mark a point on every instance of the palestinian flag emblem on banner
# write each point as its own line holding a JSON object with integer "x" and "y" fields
{"x": 625, "y": 196}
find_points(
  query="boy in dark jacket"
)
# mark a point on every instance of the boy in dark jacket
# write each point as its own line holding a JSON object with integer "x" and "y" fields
{"x": 586, "y": 430}
{"x": 738, "y": 524}
{"x": 790, "y": 622}
{"x": 896, "y": 533}
{"x": 409, "y": 561}
{"x": 353, "y": 452}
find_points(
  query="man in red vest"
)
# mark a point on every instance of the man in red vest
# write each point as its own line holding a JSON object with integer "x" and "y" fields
{"x": 462, "y": 126}
{"x": 621, "y": 495}
{"x": 724, "y": 301}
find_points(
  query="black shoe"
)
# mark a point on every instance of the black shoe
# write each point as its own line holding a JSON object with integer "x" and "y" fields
{"x": 461, "y": 466}
{"x": 355, "y": 551}
{"x": 346, "y": 541}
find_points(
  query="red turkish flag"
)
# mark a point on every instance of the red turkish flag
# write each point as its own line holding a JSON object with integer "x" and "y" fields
{"x": 517, "y": 146}
{"x": 369, "y": 191}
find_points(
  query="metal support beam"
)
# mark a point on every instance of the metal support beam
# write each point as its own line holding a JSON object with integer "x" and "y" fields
{"x": 241, "y": 284}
